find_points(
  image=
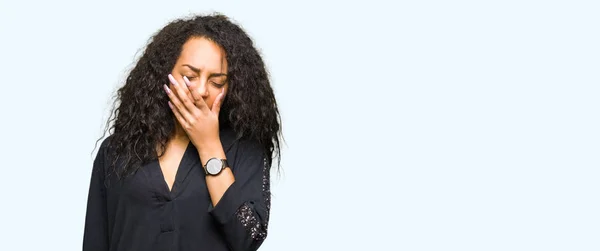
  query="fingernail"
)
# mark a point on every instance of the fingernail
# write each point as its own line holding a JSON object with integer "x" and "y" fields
{"x": 167, "y": 89}
{"x": 172, "y": 79}
{"x": 186, "y": 80}
{"x": 170, "y": 105}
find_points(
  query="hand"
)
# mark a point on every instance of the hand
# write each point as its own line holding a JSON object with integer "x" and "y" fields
{"x": 200, "y": 122}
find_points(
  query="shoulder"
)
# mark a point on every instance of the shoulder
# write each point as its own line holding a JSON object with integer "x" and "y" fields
{"x": 106, "y": 144}
{"x": 239, "y": 146}
{"x": 228, "y": 138}
{"x": 106, "y": 149}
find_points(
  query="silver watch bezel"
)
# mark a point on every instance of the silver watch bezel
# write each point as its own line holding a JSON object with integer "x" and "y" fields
{"x": 214, "y": 166}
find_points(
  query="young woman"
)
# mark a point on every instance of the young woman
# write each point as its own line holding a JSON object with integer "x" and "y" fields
{"x": 196, "y": 127}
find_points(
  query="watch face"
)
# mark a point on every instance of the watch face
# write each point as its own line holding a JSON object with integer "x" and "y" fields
{"x": 214, "y": 166}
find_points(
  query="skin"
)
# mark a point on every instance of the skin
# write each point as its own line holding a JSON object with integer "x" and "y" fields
{"x": 198, "y": 84}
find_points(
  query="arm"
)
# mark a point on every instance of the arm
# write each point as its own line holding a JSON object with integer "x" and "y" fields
{"x": 217, "y": 185}
{"x": 95, "y": 237}
{"x": 240, "y": 194}
{"x": 241, "y": 208}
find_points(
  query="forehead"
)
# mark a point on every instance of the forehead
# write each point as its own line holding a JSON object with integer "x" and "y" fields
{"x": 203, "y": 54}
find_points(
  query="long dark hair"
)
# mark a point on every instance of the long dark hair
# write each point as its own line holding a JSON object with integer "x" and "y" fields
{"x": 142, "y": 118}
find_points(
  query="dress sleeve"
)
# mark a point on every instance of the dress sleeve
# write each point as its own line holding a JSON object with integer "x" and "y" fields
{"x": 95, "y": 236}
{"x": 243, "y": 212}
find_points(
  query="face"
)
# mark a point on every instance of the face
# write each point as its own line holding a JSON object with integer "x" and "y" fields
{"x": 203, "y": 63}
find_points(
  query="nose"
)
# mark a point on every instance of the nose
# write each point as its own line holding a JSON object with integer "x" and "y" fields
{"x": 202, "y": 88}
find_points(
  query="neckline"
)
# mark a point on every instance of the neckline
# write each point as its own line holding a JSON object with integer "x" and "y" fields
{"x": 183, "y": 163}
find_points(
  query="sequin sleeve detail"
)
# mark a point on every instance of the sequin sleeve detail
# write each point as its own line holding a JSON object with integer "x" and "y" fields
{"x": 246, "y": 213}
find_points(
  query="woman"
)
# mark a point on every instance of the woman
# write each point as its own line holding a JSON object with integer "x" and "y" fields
{"x": 195, "y": 131}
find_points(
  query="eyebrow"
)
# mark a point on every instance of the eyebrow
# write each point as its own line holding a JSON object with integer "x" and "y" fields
{"x": 209, "y": 76}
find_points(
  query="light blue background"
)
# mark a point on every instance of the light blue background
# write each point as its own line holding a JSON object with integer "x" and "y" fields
{"x": 415, "y": 125}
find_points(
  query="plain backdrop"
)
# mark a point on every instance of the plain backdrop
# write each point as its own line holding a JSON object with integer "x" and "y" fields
{"x": 409, "y": 125}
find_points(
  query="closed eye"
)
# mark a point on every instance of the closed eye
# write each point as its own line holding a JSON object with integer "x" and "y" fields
{"x": 217, "y": 84}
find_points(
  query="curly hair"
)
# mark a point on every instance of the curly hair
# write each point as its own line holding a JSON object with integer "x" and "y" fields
{"x": 143, "y": 121}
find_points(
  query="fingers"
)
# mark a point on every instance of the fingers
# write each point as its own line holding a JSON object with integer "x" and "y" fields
{"x": 188, "y": 104}
{"x": 218, "y": 102}
{"x": 183, "y": 98}
{"x": 177, "y": 106}
{"x": 198, "y": 99}
{"x": 178, "y": 115}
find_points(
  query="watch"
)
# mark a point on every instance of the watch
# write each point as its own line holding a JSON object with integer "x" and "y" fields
{"x": 214, "y": 166}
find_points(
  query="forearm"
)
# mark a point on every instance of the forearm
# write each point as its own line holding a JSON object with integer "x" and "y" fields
{"x": 242, "y": 212}
{"x": 217, "y": 185}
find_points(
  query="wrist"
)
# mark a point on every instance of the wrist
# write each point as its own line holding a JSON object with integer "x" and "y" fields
{"x": 212, "y": 150}
{"x": 207, "y": 144}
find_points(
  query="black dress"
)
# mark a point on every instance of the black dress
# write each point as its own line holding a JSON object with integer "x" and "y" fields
{"x": 140, "y": 213}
